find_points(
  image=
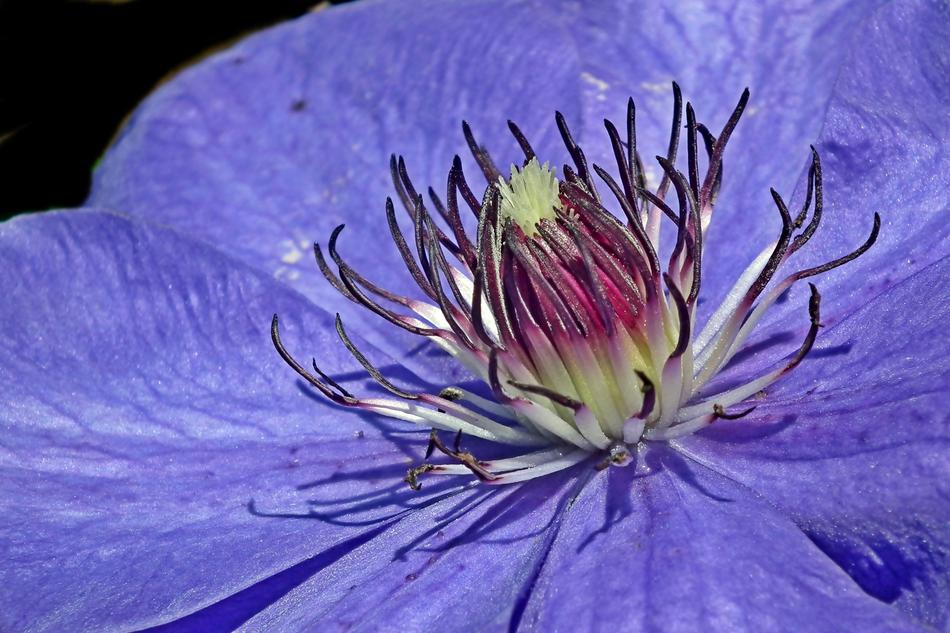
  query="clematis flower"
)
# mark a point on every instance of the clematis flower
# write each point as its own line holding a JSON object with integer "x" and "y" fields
{"x": 162, "y": 468}
{"x": 559, "y": 306}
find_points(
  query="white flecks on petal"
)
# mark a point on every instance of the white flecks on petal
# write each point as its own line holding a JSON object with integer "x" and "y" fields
{"x": 598, "y": 83}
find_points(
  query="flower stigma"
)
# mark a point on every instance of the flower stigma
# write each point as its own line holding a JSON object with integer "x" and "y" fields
{"x": 530, "y": 195}
{"x": 586, "y": 340}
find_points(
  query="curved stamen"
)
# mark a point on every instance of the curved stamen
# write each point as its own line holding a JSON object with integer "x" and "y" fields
{"x": 328, "y": 273}
{"x": 787, "y": 283}
{"x": 719, "y": 146}
{"x": 522, "y": 141}
{"x": 738, "y": 394}
{"x": 673, "y": 145}
{"x": 374, "y": 373}
{"x": 683, "y": 318}
{"x": 454, "y": 218}
{"x": 401, "y": 245}
{"x": 462, "y": 185}
{"x": 482, "y": 157}
{"x": 340, "y": 397}
{"x": 577, "y": 155}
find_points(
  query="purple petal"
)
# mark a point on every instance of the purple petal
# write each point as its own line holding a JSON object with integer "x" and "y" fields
{"x": 267, "y": 147}
{"x": 883, "y": 152}
{"x": 682, "y": 548}
{"x": 854, "y": 446}
{"x": 143, "y": 407}
{"x": 461, "y": 568}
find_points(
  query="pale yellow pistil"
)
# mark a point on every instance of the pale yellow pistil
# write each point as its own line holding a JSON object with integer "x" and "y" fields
{"x": 529, "y": 195}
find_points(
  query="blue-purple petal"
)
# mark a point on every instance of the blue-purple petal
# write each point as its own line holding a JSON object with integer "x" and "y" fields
{"x": 884, "y": 151}
{"x": 144, "y": 409}
{"x": 267, "y": 147}
{"x": 678, "y": 547}
{"x": 466, "y": 565}
{"x": 854, "y": 446}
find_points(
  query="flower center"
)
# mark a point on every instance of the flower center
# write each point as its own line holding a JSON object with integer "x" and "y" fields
{"x": 529, "y": 195}
{"x": 563, "y": 308}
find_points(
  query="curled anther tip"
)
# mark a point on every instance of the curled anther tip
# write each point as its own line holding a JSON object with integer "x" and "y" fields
{"x": 719, "y": 413}
{"x": 451, "y": 393}
{"x": 779, "y": 201}
{"x": 814, "y": 306}
{"x": 413, "y": 474}
{"x": 433, "y": 441}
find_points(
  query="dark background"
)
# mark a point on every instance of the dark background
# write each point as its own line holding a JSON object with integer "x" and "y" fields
{"x": 70, "y": 72}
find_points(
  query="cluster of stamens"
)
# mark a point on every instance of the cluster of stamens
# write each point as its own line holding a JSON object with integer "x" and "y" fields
{"x": 563, "y": 308}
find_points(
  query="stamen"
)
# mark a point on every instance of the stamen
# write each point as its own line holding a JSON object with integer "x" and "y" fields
{"x": 370, "y": 369}
{"x": 522, "y": 141}
{"x": 340, "y": 396}
{"x": 577, "y": 155}
{"x": 674, "y": 143}
{"x": 481, "y": 156}
{"x": 719, "y": 147}
{"x": 720, "y": 413}
{"x": 463, "y": 188}
{"x": 454, "y": 219}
